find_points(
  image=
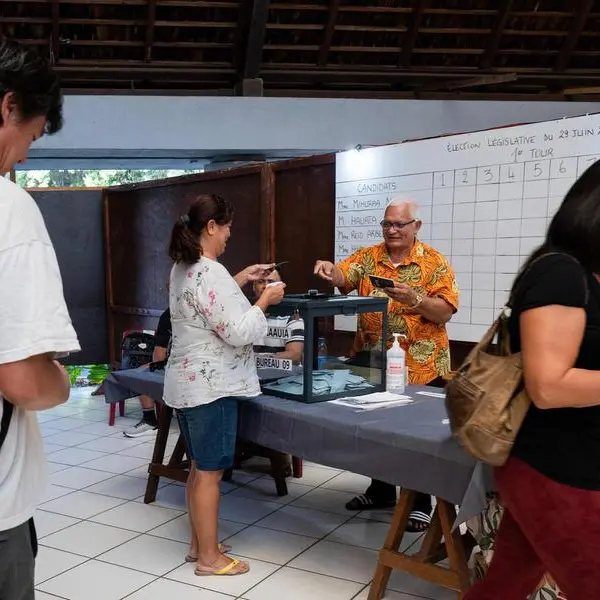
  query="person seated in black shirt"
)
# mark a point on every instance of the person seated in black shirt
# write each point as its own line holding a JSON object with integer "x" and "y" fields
{"x": 162, "y": 341}
{"x": 550, "y": 486}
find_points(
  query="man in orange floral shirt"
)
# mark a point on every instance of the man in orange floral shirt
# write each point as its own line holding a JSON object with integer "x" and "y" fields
{"x": 422, "y": 301}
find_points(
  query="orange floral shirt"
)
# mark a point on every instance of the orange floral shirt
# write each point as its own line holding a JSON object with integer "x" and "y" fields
{"x": 426, "y": 344}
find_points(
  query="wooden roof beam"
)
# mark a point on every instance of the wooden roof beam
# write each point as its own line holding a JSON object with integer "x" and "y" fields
{"x": 494, "y": 39}
{"x": 55, "y": 43}
{"x": 461, "y": 84}
{"x": 334, "y": 6}
{"x": 409, "y": 39}
{"x": 150, "y": 29}
{"x": 582, "y": 91}
{"x": 581, "y": 12}
{"x": 252, "y": 28}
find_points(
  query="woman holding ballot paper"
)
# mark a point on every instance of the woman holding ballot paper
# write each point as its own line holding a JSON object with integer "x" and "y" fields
{"x": 211, "y": 364}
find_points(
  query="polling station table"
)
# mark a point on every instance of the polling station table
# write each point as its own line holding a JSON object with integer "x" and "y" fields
{"x": 409, "y": 446}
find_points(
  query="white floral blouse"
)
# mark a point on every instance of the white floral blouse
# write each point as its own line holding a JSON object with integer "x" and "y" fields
{"x": 214, "y": 328}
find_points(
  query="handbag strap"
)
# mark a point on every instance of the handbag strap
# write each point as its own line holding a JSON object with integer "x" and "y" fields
{"x": 500, "y": 329}
{"x": 7, "y": 411}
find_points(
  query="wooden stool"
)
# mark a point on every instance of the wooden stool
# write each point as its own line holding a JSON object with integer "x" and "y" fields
{"x": 423, "y": 564}
{"x": 177, "y": 468}
{"x": 280, "y": 467}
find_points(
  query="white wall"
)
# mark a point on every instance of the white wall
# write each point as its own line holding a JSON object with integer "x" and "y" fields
{"x": 159, "y": 126}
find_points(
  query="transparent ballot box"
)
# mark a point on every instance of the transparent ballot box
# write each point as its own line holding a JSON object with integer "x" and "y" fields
{"x": 337, "y": 361}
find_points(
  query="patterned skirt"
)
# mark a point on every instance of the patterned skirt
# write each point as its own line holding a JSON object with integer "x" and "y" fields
{"x": 484, "y": 528}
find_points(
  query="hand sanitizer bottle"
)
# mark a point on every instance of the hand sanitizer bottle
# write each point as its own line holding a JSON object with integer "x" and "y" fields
{"x": 396, "y": 368}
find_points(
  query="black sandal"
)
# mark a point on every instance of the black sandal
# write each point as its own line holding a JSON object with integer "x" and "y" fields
{"x": 364, "y": 502}
{"x": 418, "y": 522}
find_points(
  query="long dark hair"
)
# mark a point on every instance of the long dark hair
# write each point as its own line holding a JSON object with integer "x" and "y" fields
{"x": 185, "y": 237}
{"x": 575, "y": 228}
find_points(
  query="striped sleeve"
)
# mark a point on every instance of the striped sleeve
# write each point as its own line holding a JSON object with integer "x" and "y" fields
{"x": 295, "y": 330}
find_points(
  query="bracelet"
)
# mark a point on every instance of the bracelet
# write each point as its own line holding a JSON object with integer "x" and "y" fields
{"x": 418, "y": 301}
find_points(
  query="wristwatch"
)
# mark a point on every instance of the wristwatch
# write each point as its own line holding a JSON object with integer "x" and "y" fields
{"x": 418, "y": 301}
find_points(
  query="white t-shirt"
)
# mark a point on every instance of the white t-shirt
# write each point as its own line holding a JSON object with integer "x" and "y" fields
{"x": 214, "y": 328}
{"x": 33, "y": 320}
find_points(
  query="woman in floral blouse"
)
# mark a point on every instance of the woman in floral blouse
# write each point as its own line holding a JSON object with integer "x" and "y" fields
{"x": 211, "y": 364}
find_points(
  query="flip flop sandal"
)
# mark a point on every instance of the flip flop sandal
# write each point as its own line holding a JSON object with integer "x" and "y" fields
{"x": 418, "y": 522}
{"x": 364, "y": 502}
{"x": 244, "y": 568}
{"x": 223, "y": 548}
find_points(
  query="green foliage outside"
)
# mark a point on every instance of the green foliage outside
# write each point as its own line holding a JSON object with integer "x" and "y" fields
{"x": 97, "y": 178}
{"x": 83, "y": 375}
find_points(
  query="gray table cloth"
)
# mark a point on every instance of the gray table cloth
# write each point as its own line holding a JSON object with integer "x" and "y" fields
{"x": 409, "y": 446}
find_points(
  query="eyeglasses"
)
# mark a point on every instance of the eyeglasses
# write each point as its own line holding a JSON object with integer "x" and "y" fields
{"x": 387, "y": 225}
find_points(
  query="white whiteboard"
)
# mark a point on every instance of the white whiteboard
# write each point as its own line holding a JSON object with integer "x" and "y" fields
{"x": 485, "y": 199}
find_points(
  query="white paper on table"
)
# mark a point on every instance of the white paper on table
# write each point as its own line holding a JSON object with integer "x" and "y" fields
{"x": 432, "y": 394}
{"x": 373, "y": 401}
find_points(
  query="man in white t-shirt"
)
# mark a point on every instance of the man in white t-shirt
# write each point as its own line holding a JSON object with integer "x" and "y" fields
{"x": 285, "y": 334}
{"x": 34, "y": 320}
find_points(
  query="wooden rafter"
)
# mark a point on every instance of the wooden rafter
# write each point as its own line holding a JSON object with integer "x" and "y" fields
{"x": 409, "y": 39}
{"x": 254, "y": 39}
{"x": 334, "y": 6}
{"x": 55, "y": 31}
{"x": 581, "y": 12}
{"x": 494, "y": 39}
{"x": 461, "y": 84}
{"x": 385, "y": 49}
{"x": 150, "y": 29}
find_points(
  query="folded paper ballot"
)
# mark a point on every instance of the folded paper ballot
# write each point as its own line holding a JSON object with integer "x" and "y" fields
{"x": 323, "y": 382}
{"x": 373, "y": 401}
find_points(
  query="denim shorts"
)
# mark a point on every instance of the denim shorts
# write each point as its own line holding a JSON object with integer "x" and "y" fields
{"x": 210, "y": 432}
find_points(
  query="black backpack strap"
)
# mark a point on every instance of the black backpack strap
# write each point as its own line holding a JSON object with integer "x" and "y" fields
{"x": 7, "y": 411}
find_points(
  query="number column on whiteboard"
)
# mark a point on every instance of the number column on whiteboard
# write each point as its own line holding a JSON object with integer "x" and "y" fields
{"x": 463, "y": 235}
{"x": 441, "y": 212}
{"x": 563, "y": 174}
{"x": 484, "y": 243}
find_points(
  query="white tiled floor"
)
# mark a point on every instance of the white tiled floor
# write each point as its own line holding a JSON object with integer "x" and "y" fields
{"x": 98, "y": 540}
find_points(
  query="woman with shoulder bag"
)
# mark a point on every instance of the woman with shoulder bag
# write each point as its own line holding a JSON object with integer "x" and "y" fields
{"x": 550, "y": 486}
{"x": 211, "y": 365}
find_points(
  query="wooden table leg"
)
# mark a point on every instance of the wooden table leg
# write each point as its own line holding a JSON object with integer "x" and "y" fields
{"x": 279, "y": 465}
{"x": 423, "y": 563}
{"x": 178, "y": 452}
{"x": 454, "y": 545}
{"x": 158, "y": 456}
{"x": 432, "y": 540}
{"x": 392, "y": 543}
